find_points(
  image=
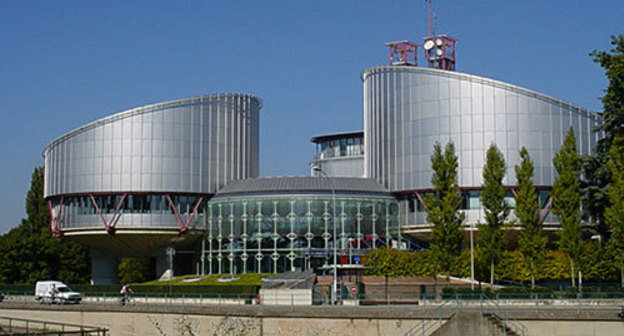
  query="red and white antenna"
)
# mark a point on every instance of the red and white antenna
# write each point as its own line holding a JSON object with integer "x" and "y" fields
{"x": 439, "y": 49}
{"x": 403, "y": 53}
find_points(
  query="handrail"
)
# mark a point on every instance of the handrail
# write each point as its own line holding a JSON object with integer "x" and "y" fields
{"x": 422, "y": 328}
{"x": 35, "y": 327}
{"x": 502, "y": 316}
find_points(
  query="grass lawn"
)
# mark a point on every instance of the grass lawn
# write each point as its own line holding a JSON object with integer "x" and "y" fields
{"x": 252, "y": 279}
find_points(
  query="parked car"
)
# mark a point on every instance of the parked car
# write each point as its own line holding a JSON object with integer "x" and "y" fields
{"x": 55, "y": 292}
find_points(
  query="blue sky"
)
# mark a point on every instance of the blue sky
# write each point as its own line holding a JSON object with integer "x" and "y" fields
{"x": 66, "y": 63}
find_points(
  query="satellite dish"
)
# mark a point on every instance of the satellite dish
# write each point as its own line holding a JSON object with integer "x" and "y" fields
{"x": 439, "y": 42}
{"x": 439, "y": 52}
{"x": 429, "y": 44}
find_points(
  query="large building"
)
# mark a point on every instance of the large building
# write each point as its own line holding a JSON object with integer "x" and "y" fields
{"x": 184, "y": 174}
{"x": 137, "y": 182}
{"x": 408, "y": 109}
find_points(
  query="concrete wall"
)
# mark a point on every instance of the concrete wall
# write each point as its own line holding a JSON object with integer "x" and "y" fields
{"x": 286, "y": 297}
{"x": 295, "y": 321}
{"x": 131, "y": 324}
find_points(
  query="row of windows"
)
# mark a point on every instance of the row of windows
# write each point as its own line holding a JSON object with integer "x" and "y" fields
{"x": 471, "y": 200}
{"x": 341, "y": 147}
{"x": 82, "y": 205}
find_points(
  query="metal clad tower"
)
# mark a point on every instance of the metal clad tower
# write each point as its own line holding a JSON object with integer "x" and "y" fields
{"x": 139, "y": 180}
{"x": 407, "y": 109}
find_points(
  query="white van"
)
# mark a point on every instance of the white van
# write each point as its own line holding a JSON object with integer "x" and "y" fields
{"x": 55, "y": 292}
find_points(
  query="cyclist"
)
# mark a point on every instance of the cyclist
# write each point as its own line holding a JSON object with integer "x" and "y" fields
{"x": 53, "y": 292}
{"x": 125, "y": 292}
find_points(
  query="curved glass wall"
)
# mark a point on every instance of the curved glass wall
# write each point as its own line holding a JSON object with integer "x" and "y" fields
{"x": 412, "y": 210}
{"x": 282, "y": 233}
{"x": 130, "y": 210}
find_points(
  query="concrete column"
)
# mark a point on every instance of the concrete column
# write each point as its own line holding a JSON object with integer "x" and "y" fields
{"x": 103, "y": 268}
{"x": 162, "y": 265}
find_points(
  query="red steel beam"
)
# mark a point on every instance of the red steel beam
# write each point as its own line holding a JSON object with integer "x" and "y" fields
{"x": 184, "y": 224}
{"x": 55, "y": 220}
{"x": 421, "y": 200}
{"x": 108, "y": 226}
{"x": 545, "y": 211}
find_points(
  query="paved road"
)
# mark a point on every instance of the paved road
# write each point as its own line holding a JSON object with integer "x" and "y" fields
{"x": 568, "y": 310}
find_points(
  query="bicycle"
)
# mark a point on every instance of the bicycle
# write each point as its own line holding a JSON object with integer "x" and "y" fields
{"x": 127, "y": 300}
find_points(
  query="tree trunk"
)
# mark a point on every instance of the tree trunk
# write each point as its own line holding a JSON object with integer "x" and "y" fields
{"x": 572, "y": 272}
{"x": 386, "y": 289}
{"x": 492, "y": 274}
{"x": 532, "y": 275}
{"x": 622, "y": 275}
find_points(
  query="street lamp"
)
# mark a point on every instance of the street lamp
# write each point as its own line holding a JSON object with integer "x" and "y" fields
{"x": 334, "y": 289}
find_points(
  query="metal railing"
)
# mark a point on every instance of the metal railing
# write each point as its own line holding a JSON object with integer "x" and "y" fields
{"x": 575, "y": 301}
{"x": 16, "y": 326}
{"x": 490, "y": 307}
{"x": 440, "y": 316}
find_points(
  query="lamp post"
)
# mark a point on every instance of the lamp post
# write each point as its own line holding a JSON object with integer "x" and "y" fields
{"x": 472, "y": 277}
{"x": 599, "y": 237}
{"x": 334, "y": 296}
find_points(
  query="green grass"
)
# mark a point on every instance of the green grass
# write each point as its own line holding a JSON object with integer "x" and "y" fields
{"x": 252, "y": 279}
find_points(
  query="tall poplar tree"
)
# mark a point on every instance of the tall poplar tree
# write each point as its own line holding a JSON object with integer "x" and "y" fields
{"x": 614, "y": 214}
{"x": 596, "y": 175}
{"x": 491, "y": 240}
{"x": 566, "y": 199}
{"x": 532, "y": 241}
{"x": 442, "y": 207}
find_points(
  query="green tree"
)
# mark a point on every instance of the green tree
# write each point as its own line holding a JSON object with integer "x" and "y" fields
{"x": 496, "y": 209}
{"x": 596, "y": 176}
{"x": 133, "y": 270}
{"x": 36, "y": 207}
{"x": 532, "y": 241}
{"x": 442, "y": 207}
{"x": 613, "y": 100}
{"x": 566, "y": 200}
{"x": 29, "y": 253}
{"x": 614, "y": 214}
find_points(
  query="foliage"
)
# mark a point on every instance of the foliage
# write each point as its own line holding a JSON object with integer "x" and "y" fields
{"x": 442, "y": 207}
{"x": 395, "y": 263}
{"x": 613, "y": 100}
{"x": 595, "y": 172}
{"x": 496, "y": 209}
{"x": 614, "y": 214}
{"x": 555, "y": 266}
{"x": 29, "y": 253}
{"x": 596, "y": 264}
{"x": 133, "y": 270}
{"x": 532, "y": 242}
{"x": 566, "y": 201}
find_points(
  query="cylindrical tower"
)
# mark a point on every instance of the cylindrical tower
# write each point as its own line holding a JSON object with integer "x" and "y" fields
{"x": 132, "y": 182}
{"x": 407, "y": 109}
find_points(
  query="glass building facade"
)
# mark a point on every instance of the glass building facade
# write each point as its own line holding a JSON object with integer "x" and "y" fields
{"x": 285, "y": 223}
{"x": 340, "y": 154}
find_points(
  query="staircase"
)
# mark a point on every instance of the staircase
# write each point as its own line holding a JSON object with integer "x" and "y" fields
{"x": 496, "y": 315}
{"x": 500, "y": 324}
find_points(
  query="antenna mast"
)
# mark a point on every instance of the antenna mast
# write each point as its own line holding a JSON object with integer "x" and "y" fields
{"x": 430, "y": 17}
{"x": 439, "y": 49}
